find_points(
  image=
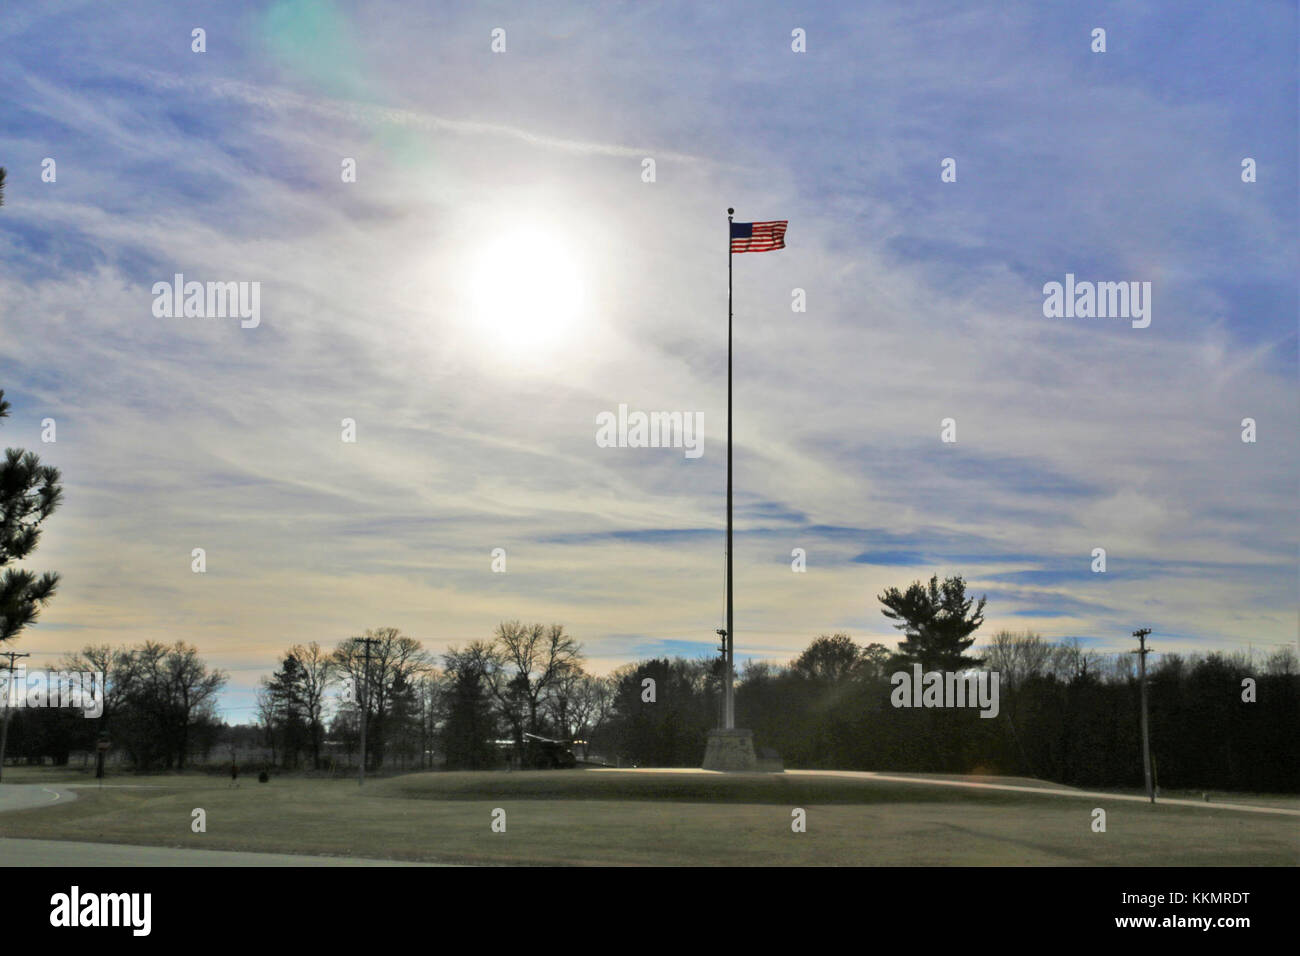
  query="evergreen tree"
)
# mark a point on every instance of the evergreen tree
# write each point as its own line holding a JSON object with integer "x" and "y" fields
{"x": 29, "y": 493}
{"x": 289, "y": 707}
{"x": 470, "y": 726}
{"x": 937, "y": 621}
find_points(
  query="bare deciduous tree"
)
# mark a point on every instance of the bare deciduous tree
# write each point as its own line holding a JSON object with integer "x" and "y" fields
{"x": 534, "y": 657}
{"x": 579, "y": 702}
{"x": 395, "y": 660}
{"x": 168, "y": 688}
{"x": 316, "y": 677}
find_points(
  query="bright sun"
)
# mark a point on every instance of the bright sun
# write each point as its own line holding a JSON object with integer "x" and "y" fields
{"x": 526, "y": 289}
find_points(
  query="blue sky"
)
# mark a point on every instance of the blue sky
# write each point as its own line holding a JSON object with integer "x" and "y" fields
{"x": 477, "y": 430}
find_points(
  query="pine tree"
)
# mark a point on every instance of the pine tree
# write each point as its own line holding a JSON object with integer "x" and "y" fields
{"x": 29, "y": 493}
{"x": 287, "y": 697}
{"x": 470, "y": 726}
{"x": 937, "y": 622}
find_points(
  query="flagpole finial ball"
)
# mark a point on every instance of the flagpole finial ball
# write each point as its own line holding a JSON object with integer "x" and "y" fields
{"x": 730, "y": 211}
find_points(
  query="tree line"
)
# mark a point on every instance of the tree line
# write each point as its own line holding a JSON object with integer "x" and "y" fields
{"x": 159, "y": 709}
{"x": 525, "y": 679}
{"x": 1068, "y": 714}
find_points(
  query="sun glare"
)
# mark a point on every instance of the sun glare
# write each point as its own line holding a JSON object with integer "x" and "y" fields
{"x": 526, "y": 289}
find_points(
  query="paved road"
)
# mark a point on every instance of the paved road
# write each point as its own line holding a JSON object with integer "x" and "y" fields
{"x": 1038, "y": 790}
{"x": 66, "y": 853}
{"x": 1089, "y": 794}
{"x": 20, "y": 796}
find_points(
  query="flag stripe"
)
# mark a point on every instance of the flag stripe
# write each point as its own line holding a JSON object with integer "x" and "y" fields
{"x": 758, "y": 236}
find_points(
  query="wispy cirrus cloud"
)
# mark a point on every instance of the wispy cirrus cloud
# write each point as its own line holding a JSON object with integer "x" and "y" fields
{"x": 924, "y": 302}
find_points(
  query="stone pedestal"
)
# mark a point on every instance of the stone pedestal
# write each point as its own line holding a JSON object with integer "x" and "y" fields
{"x": 730, "y": 750}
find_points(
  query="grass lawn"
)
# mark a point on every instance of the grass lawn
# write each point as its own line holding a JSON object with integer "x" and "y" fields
{"x": 660, "y": 818}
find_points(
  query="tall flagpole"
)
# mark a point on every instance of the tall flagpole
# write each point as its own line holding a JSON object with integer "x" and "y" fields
{"x": 729, "y": 705}
{"x": 728, "y": 748}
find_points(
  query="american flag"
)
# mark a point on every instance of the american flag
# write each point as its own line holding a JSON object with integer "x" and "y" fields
{"x": 758, "y": 236}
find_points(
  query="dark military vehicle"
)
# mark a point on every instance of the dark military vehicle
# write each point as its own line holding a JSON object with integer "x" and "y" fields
{"x": 543, "y": 753}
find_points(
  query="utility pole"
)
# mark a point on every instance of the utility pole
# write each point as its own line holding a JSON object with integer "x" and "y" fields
{"x": 1141, "y": 652}
{"x": 9, "y": 696}
{"x": 364, "y": 697}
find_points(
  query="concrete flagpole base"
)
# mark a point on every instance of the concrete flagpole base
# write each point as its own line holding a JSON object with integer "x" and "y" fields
{"x": 730, "y": 750}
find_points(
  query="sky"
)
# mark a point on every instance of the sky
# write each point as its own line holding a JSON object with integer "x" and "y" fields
{"x": 504, "y": 269}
